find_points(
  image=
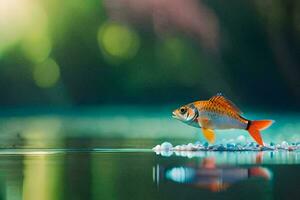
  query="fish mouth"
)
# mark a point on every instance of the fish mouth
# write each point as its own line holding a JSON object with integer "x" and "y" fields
{"x": 174, "y": 115}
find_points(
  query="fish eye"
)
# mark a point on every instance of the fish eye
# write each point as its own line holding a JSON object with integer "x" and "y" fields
{"x": 182, "y": 110}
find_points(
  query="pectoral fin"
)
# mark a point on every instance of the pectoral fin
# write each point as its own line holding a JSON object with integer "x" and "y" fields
{"x": 209, "y": 135}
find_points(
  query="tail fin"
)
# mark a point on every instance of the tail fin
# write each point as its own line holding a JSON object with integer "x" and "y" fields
{"x": 255, "y": 126}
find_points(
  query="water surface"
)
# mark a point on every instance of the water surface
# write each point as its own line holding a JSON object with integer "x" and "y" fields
{"x": 141, "y": 174}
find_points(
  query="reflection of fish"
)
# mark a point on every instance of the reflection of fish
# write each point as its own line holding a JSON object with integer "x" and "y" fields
{"x": 212, "y": 177}
{"x": 219, "y": 113}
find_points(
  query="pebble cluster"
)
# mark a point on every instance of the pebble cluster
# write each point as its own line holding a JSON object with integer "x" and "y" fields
{"x": 251, "y": 146}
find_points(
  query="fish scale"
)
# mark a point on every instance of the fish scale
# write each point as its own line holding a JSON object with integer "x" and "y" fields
{"x": 208, "y": 106}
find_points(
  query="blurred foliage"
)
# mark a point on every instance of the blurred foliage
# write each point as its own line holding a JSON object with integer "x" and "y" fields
{"x": 76, "y": 53}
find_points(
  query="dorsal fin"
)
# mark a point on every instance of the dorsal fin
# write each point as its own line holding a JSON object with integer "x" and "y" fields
{"x": 222, "y": 101}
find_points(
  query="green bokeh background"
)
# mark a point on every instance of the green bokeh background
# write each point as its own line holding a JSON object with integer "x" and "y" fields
{"x": 71, "y": 53}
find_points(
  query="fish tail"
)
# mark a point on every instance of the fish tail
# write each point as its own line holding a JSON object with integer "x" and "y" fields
{"x": 254, "y": 127}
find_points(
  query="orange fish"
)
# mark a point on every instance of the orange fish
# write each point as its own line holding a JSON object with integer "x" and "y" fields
{"x": 219, "y": 113}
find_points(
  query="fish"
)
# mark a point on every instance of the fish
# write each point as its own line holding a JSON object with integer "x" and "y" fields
{"x": 219, "y": 113}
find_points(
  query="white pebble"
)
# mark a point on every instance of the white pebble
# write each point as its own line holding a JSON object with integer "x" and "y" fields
{"x": 166, "y": 146}
{"x": 177, "y": 148}
{"x": 284, "y": 145}
{"x": 183, "y": 147}
{"x": 190, "y": 147}
{"x": 156, "y": 148}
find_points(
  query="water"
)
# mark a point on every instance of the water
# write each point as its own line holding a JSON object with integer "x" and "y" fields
{"x": 109, "y": 156}
{"x": 141, "y": 174}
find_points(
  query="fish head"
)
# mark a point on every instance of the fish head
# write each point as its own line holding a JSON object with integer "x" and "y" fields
{"x": 185, "y": 113}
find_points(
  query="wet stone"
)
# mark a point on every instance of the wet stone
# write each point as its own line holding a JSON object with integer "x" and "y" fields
{"x": 265, "y": 148}
{"x": 284, "y": 145}
{"x": 167, "y": 149}
{"x": 167, "y": 146}
{"x": 220, "y": 147}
